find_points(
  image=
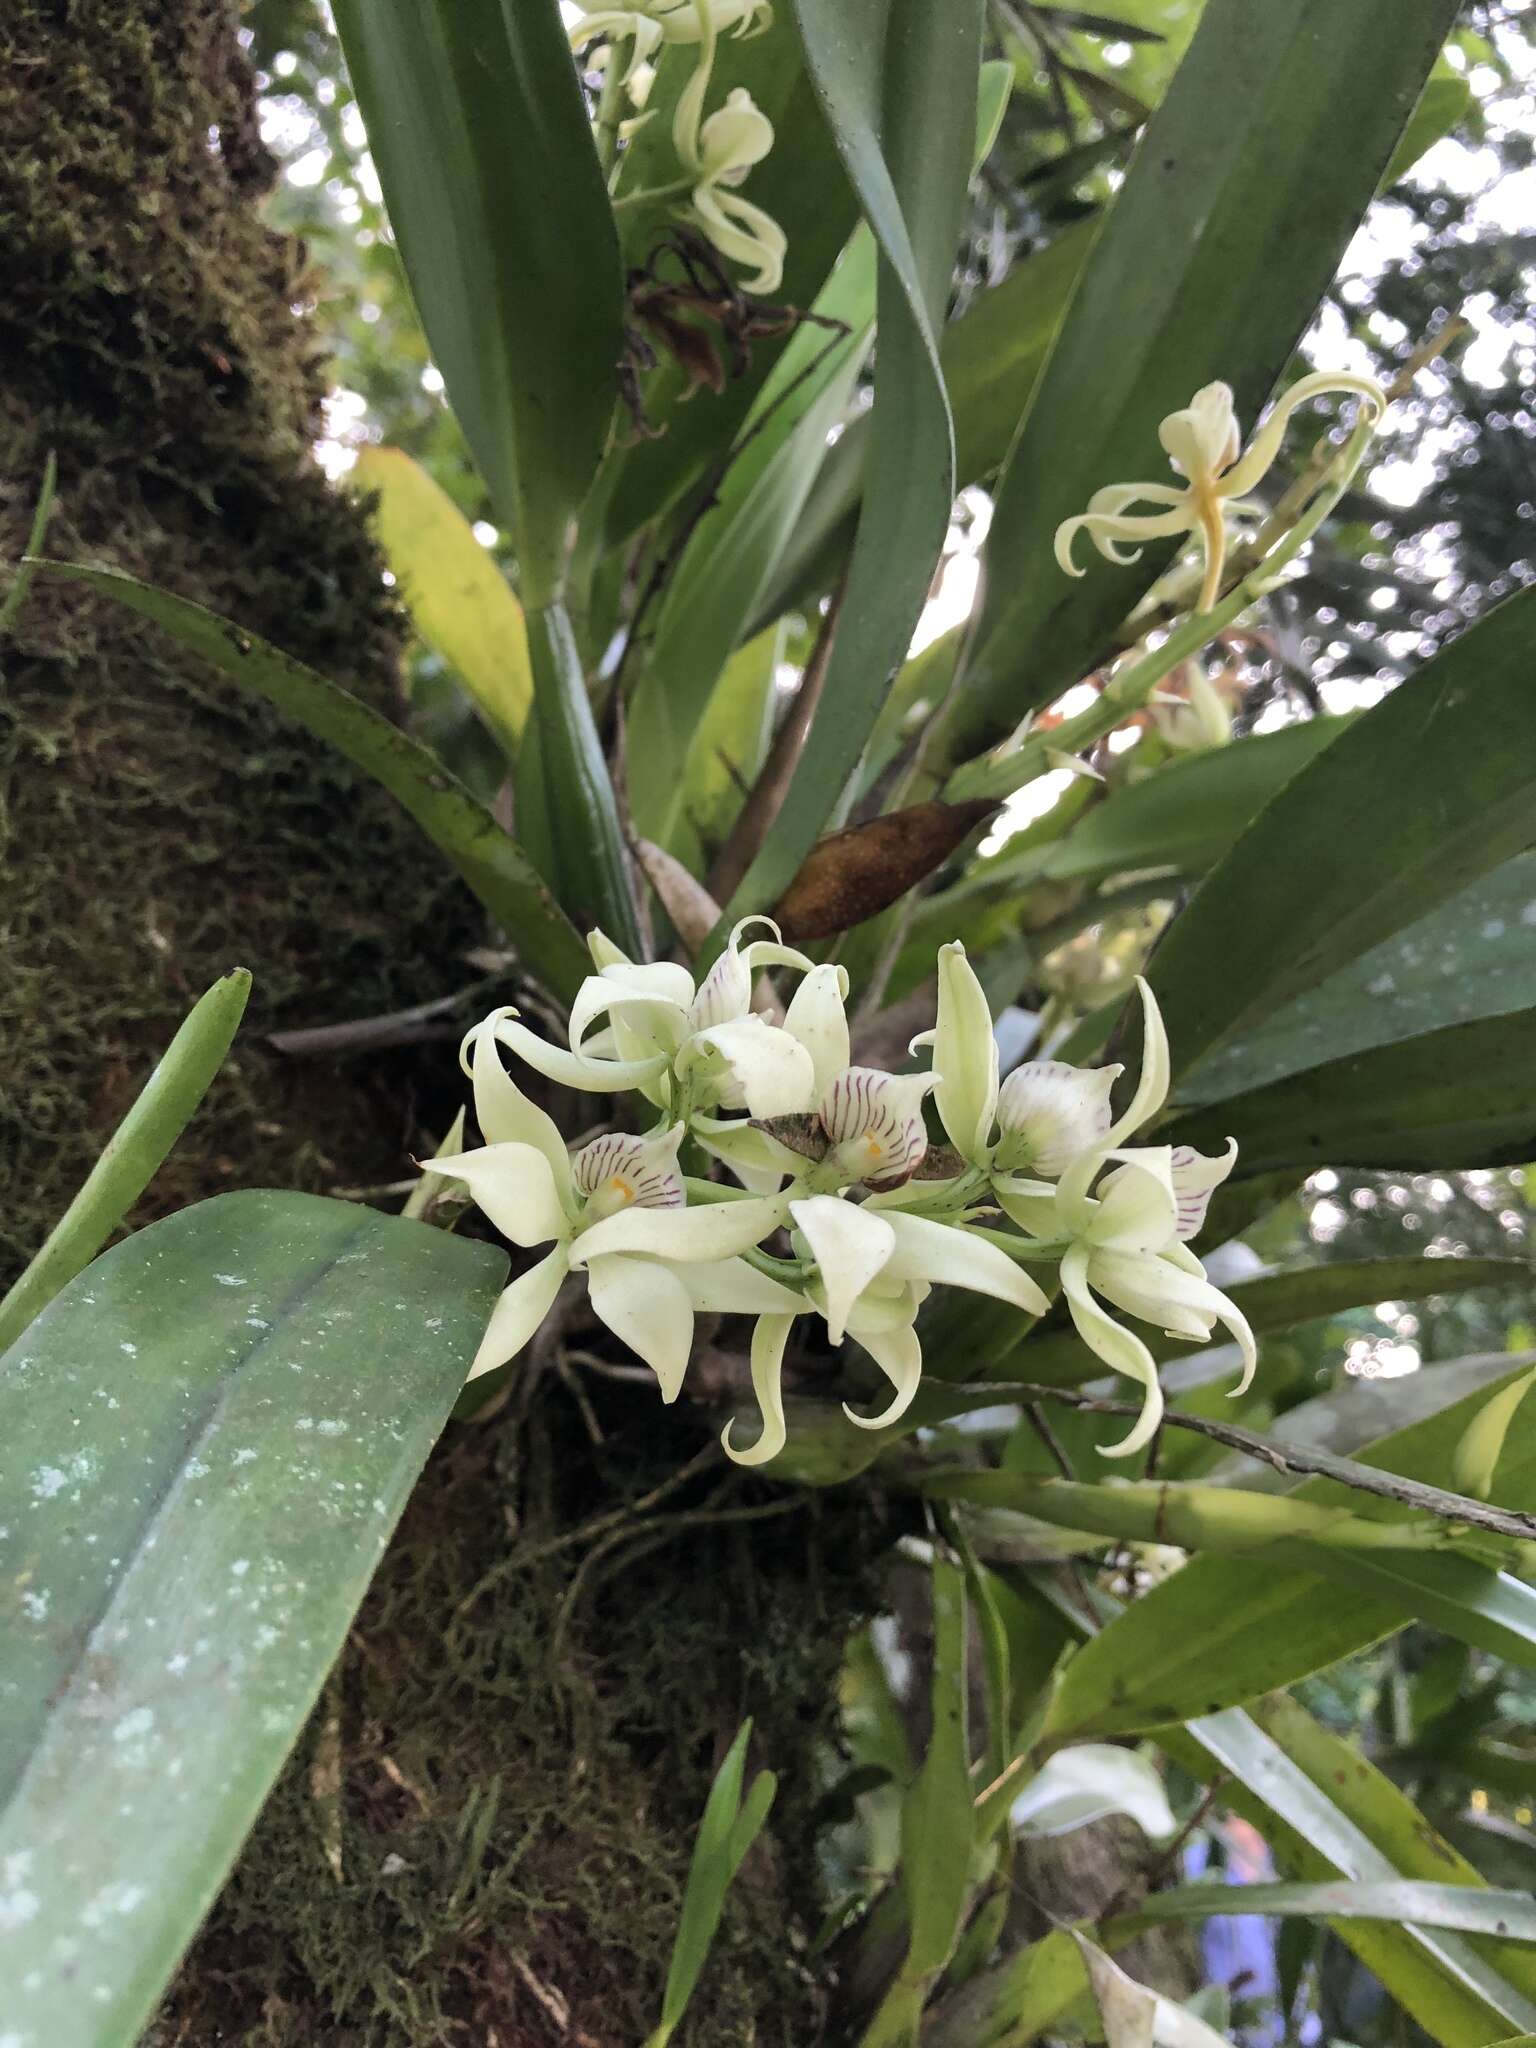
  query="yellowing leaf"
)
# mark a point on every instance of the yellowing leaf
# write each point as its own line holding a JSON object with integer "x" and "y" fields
{"x": 459, "y": 601}
{"x": 1477, "y": 1454}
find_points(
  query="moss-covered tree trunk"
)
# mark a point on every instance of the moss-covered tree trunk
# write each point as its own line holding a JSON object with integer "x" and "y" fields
{"x": 483, "y": 1834}
{"x": 154, "y": 828}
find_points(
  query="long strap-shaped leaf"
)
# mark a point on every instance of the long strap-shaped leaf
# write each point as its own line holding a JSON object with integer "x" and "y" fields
{"x": 1454, "y": 1098}
{"x": 1327, "y": 1812}
{"x": 477, "y": 124}
{"x": 898, "y": 81}
{"x": 1224, "y": 1630}
{"x": 1430, "y": 789}
{"x": 205, "y": 1442}
{"x": 1209, "y": 266}
{"x": 485, "y": 154}
{"x": 490, "y": 861}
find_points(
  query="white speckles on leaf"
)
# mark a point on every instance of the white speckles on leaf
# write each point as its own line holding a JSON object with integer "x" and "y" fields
{"x": 17, "y": 1907}
{"x": 48, "y": 1480}
{"x": 137, "y": 1722}
{"x": 230, "y": 1279}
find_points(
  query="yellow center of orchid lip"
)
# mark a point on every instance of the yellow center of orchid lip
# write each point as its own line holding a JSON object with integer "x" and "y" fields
{"x": 616, "y": 1184}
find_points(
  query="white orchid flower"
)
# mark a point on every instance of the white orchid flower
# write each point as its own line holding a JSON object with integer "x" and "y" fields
{"x": 874, "y": 1268}
{"x": 645, "y": 1287}
{"x": 1046, "y": 1113}
{"x": 646, "y": 1026}
{"x": 650, "y": 23}
{"x": 1204, "y": 445}
{"x": 718, "y": 154}
{"x": 1129, "y": 1243}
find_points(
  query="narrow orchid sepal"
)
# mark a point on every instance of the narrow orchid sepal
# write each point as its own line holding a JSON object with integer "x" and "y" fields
{"x": 947, "y": 1256}
{"x": 768, "y": 1341}
{"x": 519, "y": 1312}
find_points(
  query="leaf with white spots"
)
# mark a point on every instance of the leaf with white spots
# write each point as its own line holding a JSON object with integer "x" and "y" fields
{"x": 205, "y": 1441}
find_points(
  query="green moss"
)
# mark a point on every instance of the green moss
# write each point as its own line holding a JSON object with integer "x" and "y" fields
{"x": 153, "y": 829}
{"x": 513, "y": 1755}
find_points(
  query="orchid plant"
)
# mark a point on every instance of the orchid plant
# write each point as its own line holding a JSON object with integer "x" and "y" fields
{"x": 837, "y": 1157}
{"x": 728, "y": 339}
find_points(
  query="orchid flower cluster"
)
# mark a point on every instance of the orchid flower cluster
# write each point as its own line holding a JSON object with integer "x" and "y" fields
{"x": 1204, "y": 444}
{"x": 716, "y": 151}
{"x": 842, "y": 1209}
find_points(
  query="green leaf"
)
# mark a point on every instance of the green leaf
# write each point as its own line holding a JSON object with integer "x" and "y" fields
{"x": 1492, "y": 1610}
{"x": 492, "y": 863}
{"x": 1477, "y": 1455}
{"x": 581, "y": 840}
{"x": 1326, "y": 1811}
{"x": 1454, "y": 1098}
{"x": 459, "y": 601}
{"x": 1226, "y": 1630}
{"x": 990, "y": 357}
{"x": 898, "y": 82}
{"x": 1437, "y": 782}
{"x": 1203, "y": 270}
{"x": 1443, "y": 105}
{"x": 1465, "y": 1908}
{"x": 1474, "y": 957}
{"x": 735, "y": 546}
{"x": 16, "y": 596}
{"x": 938, "y": 1828}
{"x": 1015, "y": 2002}
{"x": 205, "y": 1442}
{"x": 755, "y": 514}
{"x": 728, "y": 748}
{"x": 478, "y": 128}
{"x": 1361, "y": 1409}
{"x": 134, "y": 1153}
{"x": 726, "y": 1832}
{"x": 1279, "y": 1301}
{"x": 1183, "y": 816}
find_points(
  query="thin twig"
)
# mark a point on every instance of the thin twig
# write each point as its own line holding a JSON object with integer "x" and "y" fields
{"x": 1293, "y": 1458}
{"x": 395, "y": 1027}
{"x": 1039, "y": 1422}
{"x": 762, "y": 806}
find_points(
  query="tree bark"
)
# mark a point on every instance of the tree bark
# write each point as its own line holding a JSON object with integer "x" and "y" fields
{"x": 155, "y": 828}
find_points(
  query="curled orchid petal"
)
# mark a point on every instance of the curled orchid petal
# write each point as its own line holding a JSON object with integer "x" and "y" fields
{"x": 514, "y": 1185}
{"x": 1119, "y": 1348}
{"x": 768, "y": 1341}
{"x": 899, "y": 1356}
